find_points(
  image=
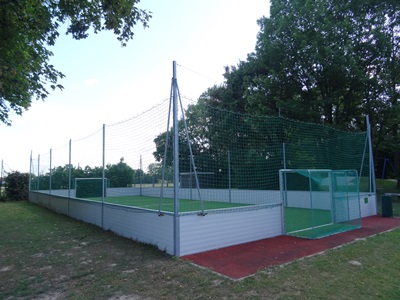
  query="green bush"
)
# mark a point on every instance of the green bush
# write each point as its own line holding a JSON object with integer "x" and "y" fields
{"x": 17, "y": 186}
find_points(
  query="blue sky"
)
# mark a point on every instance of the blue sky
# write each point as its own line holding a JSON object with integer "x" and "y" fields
{"x": 106, "y": 83}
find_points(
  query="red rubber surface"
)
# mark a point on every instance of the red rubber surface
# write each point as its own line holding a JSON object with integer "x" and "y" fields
{"x": 243, "y": 260}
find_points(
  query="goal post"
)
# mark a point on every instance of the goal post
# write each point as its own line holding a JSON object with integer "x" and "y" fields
{"x": 318, "y": 203}
{"x": 90, "y": 187}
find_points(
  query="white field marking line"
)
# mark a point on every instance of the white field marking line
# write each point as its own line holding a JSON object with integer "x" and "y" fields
{"x": 310, "y": 228}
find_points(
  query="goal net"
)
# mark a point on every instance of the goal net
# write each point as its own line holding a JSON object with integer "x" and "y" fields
{"x": 90, "y": 187}
{"x": 318, "y": 203}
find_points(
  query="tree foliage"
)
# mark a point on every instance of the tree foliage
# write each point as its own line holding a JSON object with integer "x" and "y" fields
{"x": 331, "y": 62}
{"x": 28, "y": 27}
{"x": 325, "y": 62}
{"x": 117, "y": 175}
{"x": 17, "y": 184}
{"x": 120, "y": 175}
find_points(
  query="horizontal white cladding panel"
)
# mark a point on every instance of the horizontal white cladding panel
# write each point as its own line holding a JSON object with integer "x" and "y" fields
{"x": 56, "y": 203}
{"x": 63, "y": 193}
{"x": 143, "y": 226}
{"x": 197, "y": 233}
{"x": 87, "y": 211}
{"x": 213, "y": 231}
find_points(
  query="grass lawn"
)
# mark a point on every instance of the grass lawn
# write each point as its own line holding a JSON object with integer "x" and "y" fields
{"x": 44, "y": 255}
{"x": 185, "y": 205}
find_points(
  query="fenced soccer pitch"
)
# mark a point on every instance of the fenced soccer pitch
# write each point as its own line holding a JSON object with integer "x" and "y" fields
{"x": 222, "y": 186}
{"x": 241, "y": 196}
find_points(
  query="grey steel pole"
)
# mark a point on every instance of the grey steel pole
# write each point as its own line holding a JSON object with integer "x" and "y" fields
{"x": 30, "y": 172}
{"x": 38, "y": 173}
{"x": 229, "y": 176}
{"x": 371, "y": 157}
{"x": 69, "y": 176}
{"x": 103, "y": 176}
{"x": 372, "y": 185}
{"x": 69, "y": 173}
{"x": 190, "y": 176}
{"x": 51, "y": 172}
{"x": 165, "y": 152}
{"x": 141, "y": 176}
{"x": 191, "y": 154}
{"x": 311, "y": 205}
{"x": 176, "y": 163}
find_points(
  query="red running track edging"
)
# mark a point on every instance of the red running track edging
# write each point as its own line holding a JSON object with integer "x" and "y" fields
{"x": 243, "y": 260}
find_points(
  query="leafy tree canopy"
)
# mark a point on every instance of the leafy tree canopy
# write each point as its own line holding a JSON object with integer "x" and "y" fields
{"x": 330, "y": 62}
{"x": 17, "y": 186}
{"x": 26, "y": 29}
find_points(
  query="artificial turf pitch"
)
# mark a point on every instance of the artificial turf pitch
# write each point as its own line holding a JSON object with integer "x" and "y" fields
{"x": 316, "y": 223}
{"x": 167, "y": 205}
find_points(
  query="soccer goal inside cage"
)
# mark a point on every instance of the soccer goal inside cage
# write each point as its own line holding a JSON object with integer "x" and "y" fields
{"x": 318, "y": 203}
{"x": 91, "y": 187}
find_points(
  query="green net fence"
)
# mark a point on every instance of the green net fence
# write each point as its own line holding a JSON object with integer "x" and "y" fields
{"x": 231, "y": 161}
{"x": 242, "y": 154}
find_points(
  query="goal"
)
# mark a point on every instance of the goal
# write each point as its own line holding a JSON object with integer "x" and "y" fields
{"x": 318, "y": 203}
{"x": 90, "y": 187}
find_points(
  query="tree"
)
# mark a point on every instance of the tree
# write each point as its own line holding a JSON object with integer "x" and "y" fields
{"x": 331, "y": 62}
{"x": 17, "y": 186}
{"x": 28, "y": 27}
{"x": 120, "y": 175}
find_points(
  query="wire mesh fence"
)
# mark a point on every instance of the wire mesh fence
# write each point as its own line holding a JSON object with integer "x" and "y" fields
{"x": 226, "y": 160}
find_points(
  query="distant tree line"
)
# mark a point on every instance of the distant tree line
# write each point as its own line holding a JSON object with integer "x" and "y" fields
{"x": 118, "y": 175}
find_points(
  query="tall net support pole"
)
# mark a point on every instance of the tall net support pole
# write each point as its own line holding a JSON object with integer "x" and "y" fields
{"x": 69, "y": 174}
{"x": 30, "y": 172}
{"x": 229, "y": 176}
{"x": 371, "y": 164}
{"x": 191, "y": 155}
{"x": 176, "y": 162}
{"x": 165, "y": 154}
{"x": 51, "y": 173}
{"x": 69, "y": 171}
{"x": 38, "y": 173}
{"x": 371, "y": 157}
{"x": 362, "y": 161}
{"x": 283, "y": 195}
{"x": 141, "y": 176}
{"x": 103, "y": 175}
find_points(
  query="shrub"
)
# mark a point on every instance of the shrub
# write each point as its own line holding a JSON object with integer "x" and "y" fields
{"x": 17, "y": 186}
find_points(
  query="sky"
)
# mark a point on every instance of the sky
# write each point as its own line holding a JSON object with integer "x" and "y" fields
{"x": 106, "y": 83}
